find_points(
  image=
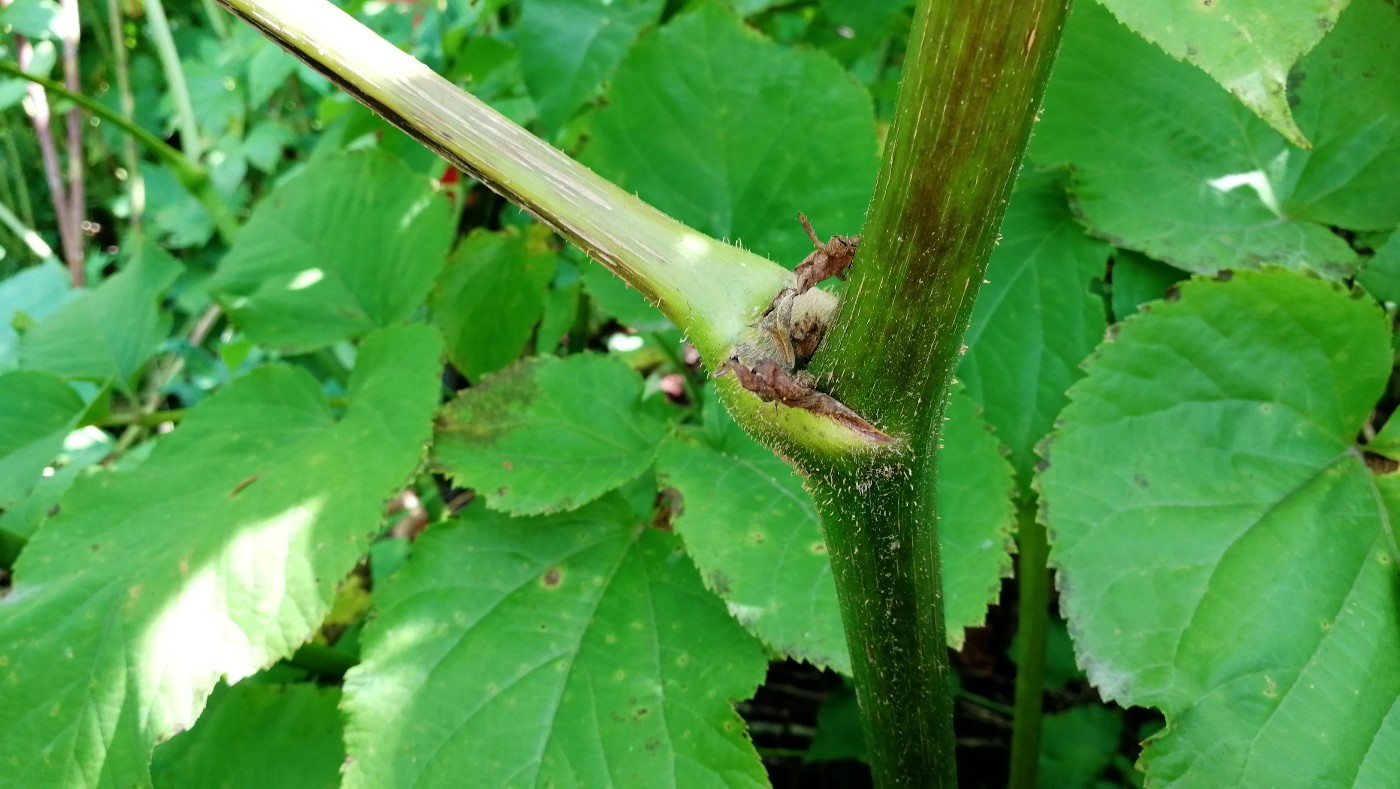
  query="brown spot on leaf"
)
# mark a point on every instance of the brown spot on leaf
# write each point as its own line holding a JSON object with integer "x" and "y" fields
{"x": 245, "y": 483}
{"x": 552, "y": 578}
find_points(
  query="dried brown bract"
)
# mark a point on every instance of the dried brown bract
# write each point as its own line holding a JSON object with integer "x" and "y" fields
{"x": 772, "y": 383}
{"x": 831, "y": 259}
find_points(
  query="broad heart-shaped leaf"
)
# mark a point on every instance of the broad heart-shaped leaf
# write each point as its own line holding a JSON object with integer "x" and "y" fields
{"x": 217, "y": 555}
{"x": 577, "y": 649}
{"x": 1166, "y": 163}
{"x": 491, "y": 295}
{"x": 568, "y": 48}
{"x": 1036, "y": 318}
{"x": 258, "y": 734}
{"x": 352, "y": 243}
{"x": 548, "y": 434}
{"x": 1248, "y": 47}
{"x": 37, "y": 410}
{"x": 1221, "y": 544}
{"x": 108, "y": 333}
{"x": 753, "y": 531}
{"x": 735, "y": 135}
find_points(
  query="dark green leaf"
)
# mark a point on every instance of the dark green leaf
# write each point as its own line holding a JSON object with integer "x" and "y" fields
{"x": 570, "y": 650}
{"x": 1348, "y": 102}
{"x": 1138, "y": 279}
{"x": 548, "y": 434}
{"x": 1035, "y": 319}
{"x": 735, "y": 135}
{"x": 491, "y": 295}
{"x": 568, "y": 48}
{"x": 255, "y": 734}
{"x": 1077, "y": 745}
{"x": 214, "y": 557}
{"x": 1225, "y": 554}
{"x": 1381, "y": 276}
{"x": 352, "y": 243}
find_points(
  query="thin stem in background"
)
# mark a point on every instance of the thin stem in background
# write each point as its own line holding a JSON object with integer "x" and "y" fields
{"x": 135, "y": 184}
{"x": 37, "y": 106}
{"x": 169, "y": 58}
{"x": 77, "y": 197}
{"x": 26, "y": 206}
{"x": 31, "y": 239}
{"x": 1033, "y": 577}
{"x": 190, "y": 174}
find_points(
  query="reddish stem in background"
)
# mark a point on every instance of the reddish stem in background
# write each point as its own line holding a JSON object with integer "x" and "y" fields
{"x": 69, "y": 233}
{"x": 76, "y": 199}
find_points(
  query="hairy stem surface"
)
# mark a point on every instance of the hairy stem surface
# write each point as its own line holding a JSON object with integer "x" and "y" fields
{"x": 973, "y": 79}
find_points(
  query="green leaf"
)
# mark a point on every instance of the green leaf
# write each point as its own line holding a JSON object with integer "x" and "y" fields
{"x": 1165, "y": 163}
{"x": 1077, "y": 745}
{"x": 108, "y": 333}
{"x": 217, "y": 555}
{"x": 1138, "y": 279}
{"x": 1224, "y": 552}
{"x": 1348, "y": 101}
{"x": 32, "y": 18}
{"x": 735, "y": 135}
{"x": 618, "y": 299}
{"x": 754, "y": 532}
{"x": 1381, "y": 276}
{"x": 1036, "y": 318}
{"x": 255, "y": 734}
{"x": 25, "y": 300}
{"x": 491, "y": 295}
{"x": 577, "y": 649}
{"x": 568, "y": 48}
{"x": 868, "y": 19}
{"x": 548, "y": 434}
{"x": 1248, "y": 47}
{"x": 37, "y": 410}
{"x": 80, "y": 451}
{"x": 352, "y": 243}
{"x": 840, "y": 733}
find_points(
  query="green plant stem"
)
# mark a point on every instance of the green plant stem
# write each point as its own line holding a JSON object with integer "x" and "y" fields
{"x": 135, "y": 185}
{"x": 710, "y": 289}
{"x": 1033, "y": 577}
{"x": 973, "y": 80}
{"x": 169, "y": 58}
{"x": 26, "y": 205}
{"x": 193, "y": 177}
{"x": 143, "y": 418}
{"x": 31, "y": 239}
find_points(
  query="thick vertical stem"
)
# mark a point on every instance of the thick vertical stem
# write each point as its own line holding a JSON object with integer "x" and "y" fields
{"x": 973, "y": 80}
